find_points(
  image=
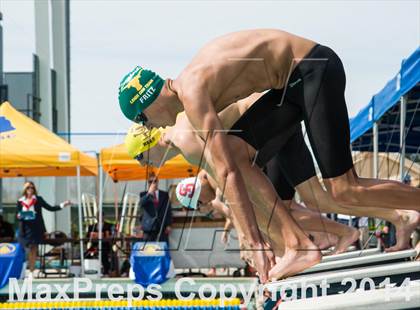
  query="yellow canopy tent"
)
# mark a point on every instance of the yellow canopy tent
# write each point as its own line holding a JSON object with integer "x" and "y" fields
{"x": 116, "y": 162}
{"x": 28, "y": 149}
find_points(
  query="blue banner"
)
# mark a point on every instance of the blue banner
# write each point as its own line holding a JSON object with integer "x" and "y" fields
{"x": 12, "y": 257}
{"x": 151, "y": 262}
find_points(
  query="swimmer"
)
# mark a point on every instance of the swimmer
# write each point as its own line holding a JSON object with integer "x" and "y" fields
{"x": 156, "y": 146}
{"x": 194, "y": 192}
{"x": 301, "y": 172}
{"x": 236, "y": 65}
{"x": 164, "y": 144}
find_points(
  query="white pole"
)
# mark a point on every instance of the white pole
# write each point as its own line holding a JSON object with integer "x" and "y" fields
{"x": 81, "y": 232}
{"x": 402, "y": 135}
{"x": 100, "y": 214}
{"x": 375, "y": 150}
{"x": 375, "y": 171}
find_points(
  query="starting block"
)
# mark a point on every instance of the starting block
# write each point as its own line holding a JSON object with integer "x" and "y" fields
{"x": 376, "y": 299}
{"x": 352, "y": 254}
{"x": 337, "y": 282}
{"x": 363, "y": 261}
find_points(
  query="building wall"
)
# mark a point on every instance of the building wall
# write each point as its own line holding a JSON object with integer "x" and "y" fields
{"x": 19, "y": 90}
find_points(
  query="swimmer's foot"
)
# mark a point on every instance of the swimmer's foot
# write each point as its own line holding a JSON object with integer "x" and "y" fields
{"x": 347, "y": 240}
{"x": 417, "y": 249}
{"x": 262, "y": 263}
{"x": 246, "y": 255}
{"x": 409, "y": 222}
{"x": 295, "y": 261}
{"x": 324, "y": 241}
{"x": 258, "y": 257}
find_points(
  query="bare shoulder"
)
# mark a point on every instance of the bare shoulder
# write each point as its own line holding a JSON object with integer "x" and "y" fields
{"x": 192, "y": 81}
{"x": 182, "y": 131}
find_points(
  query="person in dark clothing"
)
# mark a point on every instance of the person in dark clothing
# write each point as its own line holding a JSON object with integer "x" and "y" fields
{"x": 31, "y": 223}
{"x": 106, "y": 244}
{"x": 7, "y": 232}
{"x": 388, "y": 235}
{"x": 157, "y": 216}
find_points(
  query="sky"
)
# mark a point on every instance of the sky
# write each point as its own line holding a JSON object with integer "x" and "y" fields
{"x": 108, "y": 38}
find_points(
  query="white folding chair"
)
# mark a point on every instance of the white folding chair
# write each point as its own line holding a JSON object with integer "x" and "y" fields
{"x": 129, "y": 214}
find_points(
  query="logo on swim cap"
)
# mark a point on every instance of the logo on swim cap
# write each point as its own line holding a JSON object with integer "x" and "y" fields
{"x": 140, "y": 139}
{"x": 188, "y": 192}
{"x": 138, "y": 90}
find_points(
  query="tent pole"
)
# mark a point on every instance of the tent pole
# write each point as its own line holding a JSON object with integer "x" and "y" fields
{"x": 403, "y": 111}
{"x": 1, "y": 196}
{"x": 375, "y": 160}
{"x": 100, "y": 224}
{"x": 375, "y": 150}
{"x": 79, "y": 202}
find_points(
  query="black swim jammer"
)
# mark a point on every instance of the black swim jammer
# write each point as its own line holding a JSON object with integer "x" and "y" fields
{"x": 314, "y": 94}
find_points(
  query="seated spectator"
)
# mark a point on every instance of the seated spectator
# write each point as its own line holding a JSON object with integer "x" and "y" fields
{"x": 388, "y": 235}
{"x": 93, "y": 250}
{"x": 7, "y": 233}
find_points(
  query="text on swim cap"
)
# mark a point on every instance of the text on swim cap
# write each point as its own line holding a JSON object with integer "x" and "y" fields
{"x": 150, "y": 141}
{"x": 186, "y": 190}
{"x": 145, "y": 96}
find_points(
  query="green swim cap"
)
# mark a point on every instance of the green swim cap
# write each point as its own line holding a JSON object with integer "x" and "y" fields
{"x": 138, "y": 89}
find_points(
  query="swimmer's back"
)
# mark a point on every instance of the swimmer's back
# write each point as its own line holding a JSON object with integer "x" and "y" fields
{"x": 233, "y": 66}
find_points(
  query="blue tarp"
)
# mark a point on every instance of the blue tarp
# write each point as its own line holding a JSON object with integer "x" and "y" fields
{"x": 383, "y": 109}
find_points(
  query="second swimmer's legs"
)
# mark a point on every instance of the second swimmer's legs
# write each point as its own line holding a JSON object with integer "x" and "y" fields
{"x": 300, "y": 252}
{"x": 314, "y": 221}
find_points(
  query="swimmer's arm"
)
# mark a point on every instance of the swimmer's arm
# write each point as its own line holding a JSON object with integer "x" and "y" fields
{"x": 230, "y": 115}
{"x": 228, "y": 225}
{"x": 221, "y": 208}
{"x": 203, "y": 117}
{"x": 226, "y": 231}
{"x": 218, "y": 202}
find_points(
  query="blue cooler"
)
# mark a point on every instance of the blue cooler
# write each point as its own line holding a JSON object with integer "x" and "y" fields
{"x": 12, "y": 257}
{"x": 150, "y": 262}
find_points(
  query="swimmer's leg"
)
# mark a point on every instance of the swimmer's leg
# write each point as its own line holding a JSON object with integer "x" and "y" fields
{"x": 314, "y": 221}
{"x": 300, "y": 253}
{"x": 317, "y": 199}
{"x": 351, "y": 189}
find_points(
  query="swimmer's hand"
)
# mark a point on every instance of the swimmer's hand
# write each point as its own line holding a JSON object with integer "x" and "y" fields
{"x": 225, "y": 237}
{"x": 262, "y": 263}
